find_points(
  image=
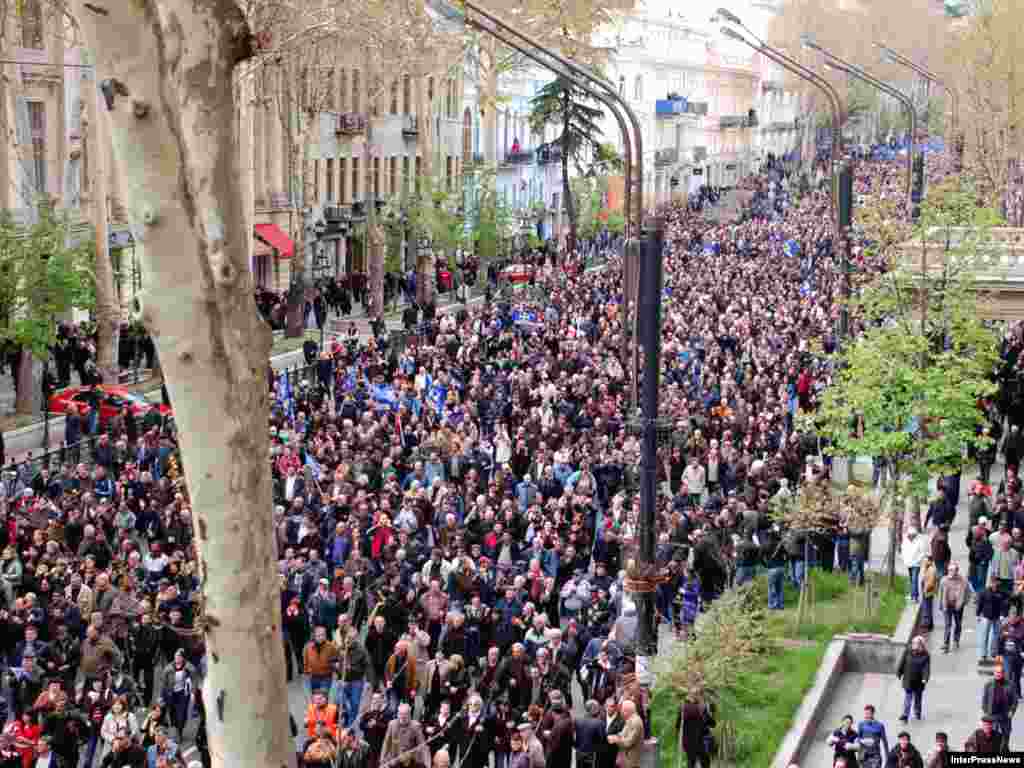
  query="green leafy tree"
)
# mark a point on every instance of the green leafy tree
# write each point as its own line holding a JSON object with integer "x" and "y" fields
{"x": 907, "y": 389}
{"x": 562, "y": 104}
{"x": 42, "y": 276}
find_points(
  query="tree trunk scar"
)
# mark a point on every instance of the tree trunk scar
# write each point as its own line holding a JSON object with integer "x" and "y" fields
{"x": 97, "y": 9}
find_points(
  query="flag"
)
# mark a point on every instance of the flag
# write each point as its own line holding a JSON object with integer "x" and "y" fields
{"x": 711, "y": 249}
{"x": 791, "y": 248}
{"x": 349, "y": 382}
{"x": 438, "y": 396}
{"x": 314, "y": 466}
{"x": 385, "y": 395}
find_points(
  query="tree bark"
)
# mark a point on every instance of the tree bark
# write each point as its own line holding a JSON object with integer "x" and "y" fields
{"x": 570, "y": 207}
{"x": 108, "y": 309}
{"x": 425, "y": 259}
{"x": 24, "y": 399}
{"x": 172, "y": 129}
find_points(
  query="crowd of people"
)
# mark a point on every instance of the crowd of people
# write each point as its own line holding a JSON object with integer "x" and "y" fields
{"x": 454, "y": 518}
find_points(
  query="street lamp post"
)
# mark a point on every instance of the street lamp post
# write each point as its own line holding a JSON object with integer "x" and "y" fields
{"x": 853, "y": 70}
{"x": 804, "y": 73}
{"x": 929, "y": 76}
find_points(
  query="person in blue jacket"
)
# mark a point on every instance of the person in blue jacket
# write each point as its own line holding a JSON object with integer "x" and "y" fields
{"x": 873, "y": 739}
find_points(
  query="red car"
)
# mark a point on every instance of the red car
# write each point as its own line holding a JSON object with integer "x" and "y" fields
{"x": 114, "y": 399}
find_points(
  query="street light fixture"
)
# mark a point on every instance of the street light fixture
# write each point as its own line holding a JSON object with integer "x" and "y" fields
{"x": 833, "y": 61}
{"x": 804, "y": 73}
{"x": 895, "y": 57}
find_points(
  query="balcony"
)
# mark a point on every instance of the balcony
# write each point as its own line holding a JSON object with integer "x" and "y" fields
{"x": 518, "y": 158}
{"x": 337, "y": 212}
{"x": 663, "y": 157}
{"x": 410, "y": 127}
{"x": 549, "y": 153}
{"x": 351, "y": 124}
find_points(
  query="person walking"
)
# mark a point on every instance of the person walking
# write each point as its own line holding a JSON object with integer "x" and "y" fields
{"x": 913, "y": 551}
{"x": 953, "y": 593}
{"x": 845, "y": 743}
{"x": 999, "y": 701}
{"x": 873, "y": 739}
{"x": 929, "y": 588}
{"x": 914, "y": 670}
{"x": 904, "y": 754}
{"x": 693, "y": 724}
{"x": 988, "y": 611}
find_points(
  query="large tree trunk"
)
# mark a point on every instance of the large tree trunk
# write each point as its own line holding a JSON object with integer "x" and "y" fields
{"x": 425, "y": 258}
{"x": 374, "y": 233}
{"x": 295, "y": 319}
{"x": 108, "y": 309}
{"x": 24, "y": 399}
{"x": 570, "y": 207}
{"x": 172, "y": 130}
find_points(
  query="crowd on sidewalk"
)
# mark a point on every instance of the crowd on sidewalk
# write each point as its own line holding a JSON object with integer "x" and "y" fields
{"x": 454, "y": 519}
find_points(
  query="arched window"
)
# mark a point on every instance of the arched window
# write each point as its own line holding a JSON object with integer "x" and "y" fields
{"x": 638, "y": 88}
{"x": 467, "y": 136}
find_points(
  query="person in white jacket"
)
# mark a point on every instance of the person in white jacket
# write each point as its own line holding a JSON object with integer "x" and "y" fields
{"x": 695, "y": 478}
{"x": 914, "y": 549}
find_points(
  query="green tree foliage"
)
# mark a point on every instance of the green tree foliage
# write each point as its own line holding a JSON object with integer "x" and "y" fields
{"x": 907, "y": 389}
{"x": 561, "y": 104}
{"x": 43, "y": 277}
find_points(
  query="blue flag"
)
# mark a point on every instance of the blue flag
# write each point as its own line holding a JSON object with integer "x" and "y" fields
{"x": 314, "y": 465}
{"x": 438, "y": 396}
{"x": 791, "y": 248}
{"x": 711, "y": 249}
{"x": 385, "y": 395}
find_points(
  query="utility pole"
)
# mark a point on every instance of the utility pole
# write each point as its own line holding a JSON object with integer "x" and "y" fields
{"x": 649, "y": 337}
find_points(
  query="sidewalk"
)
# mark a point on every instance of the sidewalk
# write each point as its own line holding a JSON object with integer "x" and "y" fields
{"x": 952, "y": 700}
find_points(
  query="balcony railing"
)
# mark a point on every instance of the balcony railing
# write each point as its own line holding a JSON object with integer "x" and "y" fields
{"x": 518, "y": 158}
{"x": 664, "y": 157}
{"x": 549, "y": 153}
{"x": 351, "y": 124}
{"x": 337, "y": 212}
{"x": 411, "y": 127}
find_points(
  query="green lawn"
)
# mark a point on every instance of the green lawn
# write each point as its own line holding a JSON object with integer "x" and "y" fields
{"x": 763, "y": 698}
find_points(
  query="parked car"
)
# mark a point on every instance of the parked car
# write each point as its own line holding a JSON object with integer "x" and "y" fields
{"x": 113, "y": 401}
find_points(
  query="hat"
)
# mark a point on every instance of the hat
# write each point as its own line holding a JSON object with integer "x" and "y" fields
{"x": 983, "y": 521}
{"x": 524, "y": 726}
{"x": 901, "y": 734}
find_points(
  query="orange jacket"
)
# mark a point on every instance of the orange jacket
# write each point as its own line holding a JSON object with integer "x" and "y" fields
{"x": 328, "y": 716}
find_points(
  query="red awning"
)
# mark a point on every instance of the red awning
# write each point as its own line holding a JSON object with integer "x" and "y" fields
{"x": 273, "y": 236}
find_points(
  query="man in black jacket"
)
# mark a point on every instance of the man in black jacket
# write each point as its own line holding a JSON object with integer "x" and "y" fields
{"x": 904, "y": 754}
{"x": 590, "y": 736}
{"x": 125, "y": 754}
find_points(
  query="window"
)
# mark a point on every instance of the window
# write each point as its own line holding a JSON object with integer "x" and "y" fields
{"x": 357, "y": 104}
{"x": 37, "y": 124}
{"x": 394, "y": 96}
{"x": 329, "y": 89}
{"x": 343, "y": 180}
{"x": 622, "y": 85}
{"x": 376, "y": 178}
{"x": 430, "y": 94}
{"x": 448, "y": 172}
{"x": 467, "y": 134}
{"x": 416, "y": 178}
{"x": 393, "y": 173}
{"x": 638, "y": 88}
{"x": 405, "y": 174}
{"x": 330, "y": 179}
{"x": 355, "y": 178}
{"x": 32, "y": 24}
{"x": 316, "y": 180}
{"x": 343, "y": 90}
{"x": 407, "y": 94}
